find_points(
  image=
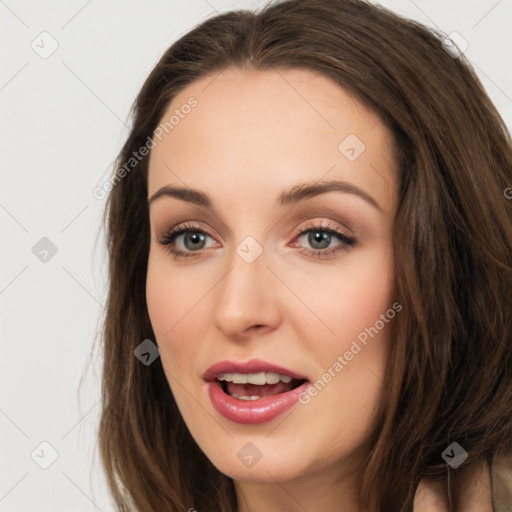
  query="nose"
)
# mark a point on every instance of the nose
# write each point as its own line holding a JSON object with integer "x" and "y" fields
{"x": 246, "y": 300}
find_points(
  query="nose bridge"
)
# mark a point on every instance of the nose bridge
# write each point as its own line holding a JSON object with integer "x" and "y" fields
{"x": 245, "y": 297}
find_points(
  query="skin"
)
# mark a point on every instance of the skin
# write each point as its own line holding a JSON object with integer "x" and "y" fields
{"x": 252, "y": 135}
{"x": 473, "y": 494}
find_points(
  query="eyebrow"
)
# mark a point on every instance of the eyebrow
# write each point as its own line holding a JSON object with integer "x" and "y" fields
{"x": 294, "y": 195}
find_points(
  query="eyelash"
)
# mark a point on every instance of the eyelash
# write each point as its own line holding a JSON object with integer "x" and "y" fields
{"x": 168, "y": 238}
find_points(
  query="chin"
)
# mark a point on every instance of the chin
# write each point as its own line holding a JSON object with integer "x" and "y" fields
{"x": 266, "y": 470}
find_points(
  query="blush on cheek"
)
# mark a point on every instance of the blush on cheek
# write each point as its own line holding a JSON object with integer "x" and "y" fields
{"x": 165, "y": 305}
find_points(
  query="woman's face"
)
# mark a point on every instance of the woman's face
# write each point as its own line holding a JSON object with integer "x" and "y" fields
{"x": 247, "y": 286}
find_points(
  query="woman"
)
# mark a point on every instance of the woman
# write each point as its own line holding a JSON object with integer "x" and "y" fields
{"x": 309, "y": 219}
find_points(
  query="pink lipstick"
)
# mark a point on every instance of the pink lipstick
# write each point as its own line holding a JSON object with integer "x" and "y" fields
{"x": 253, "y": 392}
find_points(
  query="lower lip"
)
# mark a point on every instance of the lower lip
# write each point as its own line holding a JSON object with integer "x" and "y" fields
{"x": 253, "y": 412}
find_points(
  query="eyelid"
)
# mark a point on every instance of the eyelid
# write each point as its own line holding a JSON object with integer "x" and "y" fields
{"x": 326, "y": 224}
{"x": 347, "y": 240}
{"x": 178, "y": 229}
{"x": 310, "y": 224}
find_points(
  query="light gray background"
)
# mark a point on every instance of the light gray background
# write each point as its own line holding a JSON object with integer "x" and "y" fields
{"x": 63, "y": 120}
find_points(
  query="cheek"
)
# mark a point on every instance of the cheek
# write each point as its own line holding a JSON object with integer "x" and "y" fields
{"x": 368, "y": 292}
{"x": 347, "y": 300}
{"x": 172, "y": 299}
{"x": 172, "y": 293}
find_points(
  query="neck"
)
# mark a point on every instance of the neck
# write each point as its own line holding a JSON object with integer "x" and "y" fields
{"x": 325, "y": 490}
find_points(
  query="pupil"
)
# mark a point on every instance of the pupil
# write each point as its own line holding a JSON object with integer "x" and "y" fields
{"x": 319, "y": 236}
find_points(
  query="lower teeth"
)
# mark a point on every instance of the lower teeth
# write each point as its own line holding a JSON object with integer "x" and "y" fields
{"x": 245, "y": 397}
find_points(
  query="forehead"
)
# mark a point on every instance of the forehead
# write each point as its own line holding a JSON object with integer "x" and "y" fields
{"x": 259, "y": 132}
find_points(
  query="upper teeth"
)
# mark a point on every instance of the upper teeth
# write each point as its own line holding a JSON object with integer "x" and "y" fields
{"x": 259, "y": 378}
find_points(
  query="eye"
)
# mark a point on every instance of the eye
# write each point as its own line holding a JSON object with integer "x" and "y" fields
{"x": 320, "y": 236}
{"x": 192, "y": 234}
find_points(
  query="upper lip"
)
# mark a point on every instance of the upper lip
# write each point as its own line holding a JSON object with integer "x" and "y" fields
{"x": 251, "y": 366}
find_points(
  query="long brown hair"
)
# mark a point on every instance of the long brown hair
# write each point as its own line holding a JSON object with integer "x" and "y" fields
{"x": 450, "y": 374}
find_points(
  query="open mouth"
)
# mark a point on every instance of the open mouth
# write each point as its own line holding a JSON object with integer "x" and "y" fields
{"x": 253, "y": 386}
